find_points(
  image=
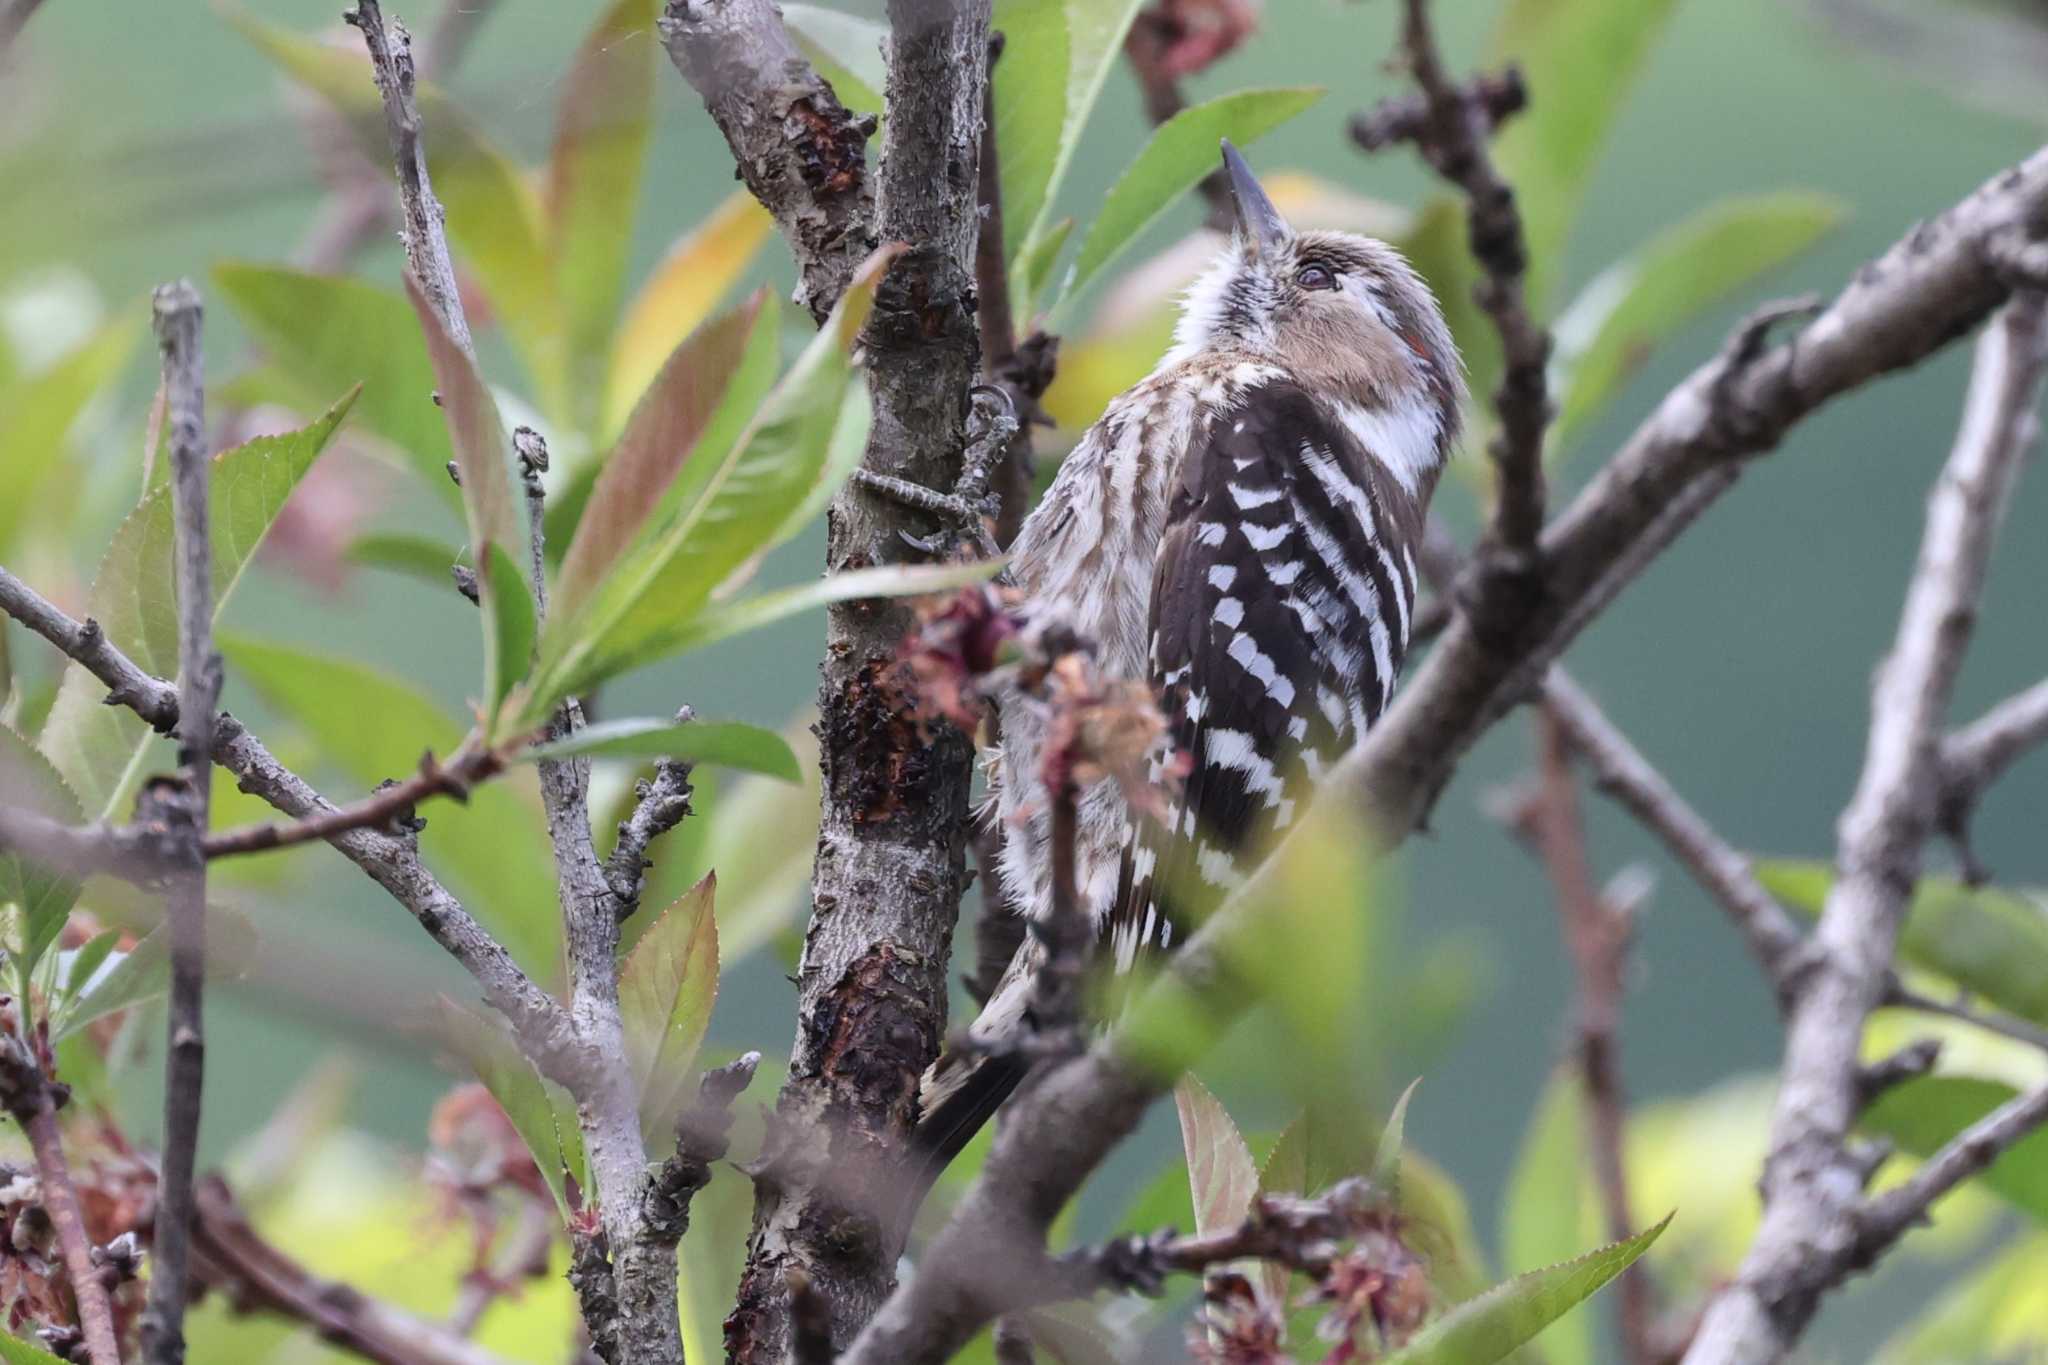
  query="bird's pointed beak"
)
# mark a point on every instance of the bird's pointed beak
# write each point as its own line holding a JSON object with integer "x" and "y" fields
{"x": 1259, "y": 222}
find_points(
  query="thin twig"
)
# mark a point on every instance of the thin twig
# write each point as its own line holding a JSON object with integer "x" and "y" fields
{"x": 700, "y": 1141}
{"x": 1815, "y": 1230}
{"x": 525, "y": 1257}
{"x": 391, "y": 805}
{"x": 2019, "y": 1030}
{"x": 1887, "y": 1217}
{"x": 660, "y": 804}
{"x": 426, "y": 241}
{"x": 391, "y": 860}
{"x": 151, "y": 698}
{"x": 1450, "y": 129}
{"x": 140, "y": 853}
{"x": 231, "y": 1256}
{"x": 1302, "y": 1234}
{"x": 1976, "y": 756}
{"x": 177, "y": 327}
{"x": 28, "y": 1095}
{"x": 1597, "y": 931}
{"x": 358, "y": 203}
{"x": 1726, "y": 874}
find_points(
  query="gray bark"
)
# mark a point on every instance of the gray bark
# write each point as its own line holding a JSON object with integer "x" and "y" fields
{"x": 886, "y": 888}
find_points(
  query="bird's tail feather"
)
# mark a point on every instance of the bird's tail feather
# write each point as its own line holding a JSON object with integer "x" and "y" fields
{"x": 962, "y": 1091}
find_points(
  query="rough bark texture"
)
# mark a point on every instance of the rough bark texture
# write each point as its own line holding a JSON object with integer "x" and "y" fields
{"x": 871, "y": 989}
{"x": 799, "y": 150}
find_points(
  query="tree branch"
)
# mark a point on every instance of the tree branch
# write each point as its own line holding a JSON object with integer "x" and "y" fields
{"x": 1597, "y": 928}
{"x": 1886, "y": 1218}
{"x": 1976, "y": 756}
{"x": 1626, "y": 776}
{"x": 155, "y": 700}
{"x": 392, "y": 804}
{"x": 1928, "y": 289}
{"x": 660, "y": 804}
{"x": 426, "y": 241}
{"x": 1815, "y": 1231}
{"x": 871, "y": 986}
{"x": 799, "y": 150}
{"x": 1450, "y": 129}
{"x": 140, "y": 853}
{"x": 187, "y": 811}
{"x": 233, "y": 1257}
{"x": 391, "y": 860}
{"x": 30, "y": 1097}
{"x": 2019, "y": 1030}
{"x": 14, "y": 17}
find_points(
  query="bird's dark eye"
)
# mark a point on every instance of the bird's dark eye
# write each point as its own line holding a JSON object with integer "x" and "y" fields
{"x": 1315, "y": 277}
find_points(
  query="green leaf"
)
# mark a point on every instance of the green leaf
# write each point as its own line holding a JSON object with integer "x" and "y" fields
{"x": 1989, "y": 941}
{"x": 666, "y": 990}
{"x": 727, "y": 508}
{"x": 1545, "y": 1215}
{"x": 15, "y": 1351}
{"x": 759, "y": 836}
{"x": 1095, "y": 43}
{"x": 1618, "y": 319}
{"x": 727, "y": 744}
{"x": 141, "y": 973}
{"x": 698, "y": 271}
{"x": 99, "y": 748}
{"x": 41, "y": 410}
{"x": 1386, "y": 1160}
{"x": 543, "y": 1114}
{"x": 601, "y": 137}
{"x": 1997, "y": 1313}
{"x": 1034, "y": 264}
{"x": 29, "y": 782}
{"x": 694, "y": 409}
{"x": 494, "y": 219}
{"x": 1030, "y": 109}
{"x": 1490, "y": 1327}
{"x": 1923, "y": 1114}
{"x": 1581, "y": 61}
{"x": 722, "y": 620}
{"x": 373, "y": 726}
{"x": 317, "y": 329}
{"x": 483, "y": 454}
{"x": 847, "y": 51}
{"x": 1181, "y": 151}
{"x": 1221, "y": 1174}
{"x": 420, "y": 557}
{"x": 514, "y": 624}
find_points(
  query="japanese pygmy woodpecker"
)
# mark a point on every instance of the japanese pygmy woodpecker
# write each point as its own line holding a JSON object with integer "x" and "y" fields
{"x": 1241, "y": 528}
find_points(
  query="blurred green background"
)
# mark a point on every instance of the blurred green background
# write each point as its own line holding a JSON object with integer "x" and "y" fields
{"x": 158, "y": 143}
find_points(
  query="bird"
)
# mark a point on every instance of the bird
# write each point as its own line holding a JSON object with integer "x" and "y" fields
{"x": 1240, "y": 528}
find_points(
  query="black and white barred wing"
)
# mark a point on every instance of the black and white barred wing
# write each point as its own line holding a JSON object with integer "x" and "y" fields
{"x": 1279, "y": 617}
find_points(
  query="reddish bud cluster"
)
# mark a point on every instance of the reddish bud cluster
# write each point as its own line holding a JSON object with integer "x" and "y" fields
{"x": 961, "y": 644}
{"x": 1204, "y": 31}
{"x": 116, "y": 1192}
